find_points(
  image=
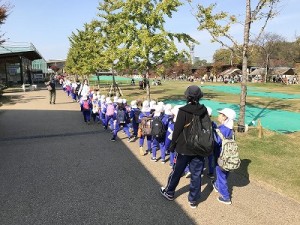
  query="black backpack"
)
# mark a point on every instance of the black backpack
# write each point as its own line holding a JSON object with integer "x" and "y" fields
{"x": 199, "y": 135}
{"x": 158, "y": 129}
{"x": 121, "y": 116}
{"x": 77, "y": 88}
{"x": 137, "y": 113}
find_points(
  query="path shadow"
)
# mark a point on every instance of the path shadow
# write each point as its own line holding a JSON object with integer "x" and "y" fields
{"x": 57, "y": 170}
{"x": 239, "y": 177}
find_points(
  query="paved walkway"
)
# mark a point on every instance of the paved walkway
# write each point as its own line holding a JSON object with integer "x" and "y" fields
{"x": 54, "y": 169}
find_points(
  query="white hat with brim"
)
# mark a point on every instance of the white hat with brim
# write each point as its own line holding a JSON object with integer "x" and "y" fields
{"x": 133, "y": 104}
{"x": 168, "y": 109}
{"x": 158, "y": 110}
{"x": 230, "y": 114}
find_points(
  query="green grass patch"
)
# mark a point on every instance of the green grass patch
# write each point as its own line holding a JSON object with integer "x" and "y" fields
{"x": 273, "y": 159}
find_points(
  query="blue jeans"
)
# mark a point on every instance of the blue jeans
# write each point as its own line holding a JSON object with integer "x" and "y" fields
{"x": 196, "y": 164}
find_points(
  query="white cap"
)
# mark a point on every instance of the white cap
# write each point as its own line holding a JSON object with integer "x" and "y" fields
{"x": 209, "y": 110}
{"x": 161, "y": 103}
{"x": 116, "y": 99}
{"x": 119, "y": 101}
{"x": 158, "y": 110}
{"x": 152, "y": 104}
{"x": 108, "y": 100}
{"x": 168, "y": 109}
{"x": 146, "y": 107}
{"x": 133, "y": 104}
{"x": 230, "y": 114}
{"x": 124, "y": 100}
{"x": 84, "y": 97}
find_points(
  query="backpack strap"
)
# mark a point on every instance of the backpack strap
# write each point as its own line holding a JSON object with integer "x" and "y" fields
{"x": 220, "y": 134}
{"x": 186, "y": 125}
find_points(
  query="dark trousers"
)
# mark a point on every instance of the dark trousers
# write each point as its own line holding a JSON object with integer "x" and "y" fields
{"x": 52, "y": 96}
{"x": 196, "y": 164}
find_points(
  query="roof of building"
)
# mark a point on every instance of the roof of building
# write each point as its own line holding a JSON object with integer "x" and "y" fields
{"x": 230, "y": 72}
{"x": 19, "y": 49}
{"x": 274, "y": 71}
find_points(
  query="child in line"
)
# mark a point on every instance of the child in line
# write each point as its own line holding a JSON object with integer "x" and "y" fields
{"x": 169, "y": 134}
{"x": 122, "y": 120}
{"x": 102, "y": 109}
{"x": 134, "y": 117}
{"x": 226, "y": 117}
{"x": 159, "y": 141}
{"x": 86, "y": 106}
{"x": 109, "y": 114}
{"x": 145, "y": 112}
{"x": 211, "y": 159}
{"x": 95, "y": 108}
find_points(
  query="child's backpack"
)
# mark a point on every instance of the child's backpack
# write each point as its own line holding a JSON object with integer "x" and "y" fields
{"x": 198, "y": 135}
{"x": 95, "y": 107}
{"x": 86, "y": 105}
{"x": 110, "y": 110}
{"x": 77, "y": 88}
{"x": 137, "y": 113}
{"x": 158, "y": 129}
{"x": 121, "y": 116}
{"x": 229, "y": 157}
{"x": 145, "y": 126}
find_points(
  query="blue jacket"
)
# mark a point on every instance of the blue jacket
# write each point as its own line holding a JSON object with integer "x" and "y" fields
{"x": 227, "y": 133}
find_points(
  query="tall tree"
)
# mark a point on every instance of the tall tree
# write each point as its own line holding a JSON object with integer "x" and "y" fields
{"x": 269, "y": 44}
{"x": 85, "y": 49}
{"x": 147, "y": 42}
{"x": 218, "y": 26}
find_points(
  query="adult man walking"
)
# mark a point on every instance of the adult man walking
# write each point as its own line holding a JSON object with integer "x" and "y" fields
{"x": 52, "y": 90}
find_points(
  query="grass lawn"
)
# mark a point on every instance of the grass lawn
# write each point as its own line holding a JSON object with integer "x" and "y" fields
{"x": 272, "y": 159}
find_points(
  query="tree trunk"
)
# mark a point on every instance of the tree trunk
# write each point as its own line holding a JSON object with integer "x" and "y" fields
{"x": 267, "y": 68}
{"x": 148, "y": 85}
{"x": 241, "y": 122}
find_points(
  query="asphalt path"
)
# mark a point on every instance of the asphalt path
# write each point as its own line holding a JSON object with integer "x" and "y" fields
{"x": 55, "y": 169}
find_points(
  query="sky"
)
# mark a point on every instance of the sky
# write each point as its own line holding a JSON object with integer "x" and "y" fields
{"x": 47, "y": 24}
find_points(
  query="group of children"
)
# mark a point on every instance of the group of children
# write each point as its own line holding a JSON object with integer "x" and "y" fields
{"x": 138, "y": 119}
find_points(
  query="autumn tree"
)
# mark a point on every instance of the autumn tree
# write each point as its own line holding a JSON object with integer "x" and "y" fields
{"x": 269, "y": 44}
{"x": 218, "y": 25}
{"x": 148, "y": 43}
{"x": 84, "y": 52}
{"x": 4, "y": 10}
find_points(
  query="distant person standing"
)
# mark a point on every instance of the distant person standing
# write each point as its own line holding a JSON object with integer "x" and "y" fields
{"x": 52, "y": 90}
